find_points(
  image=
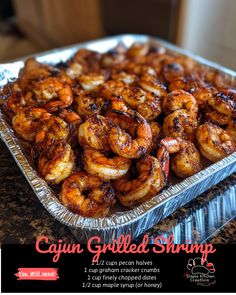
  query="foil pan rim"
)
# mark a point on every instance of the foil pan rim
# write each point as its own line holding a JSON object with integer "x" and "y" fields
{"x": 120, "y": 219}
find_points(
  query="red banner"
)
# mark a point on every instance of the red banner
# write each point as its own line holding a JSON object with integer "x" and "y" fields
{"x": 37, "y": 273}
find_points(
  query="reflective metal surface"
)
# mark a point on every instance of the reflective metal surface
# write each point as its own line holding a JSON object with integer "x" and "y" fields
{"x": 134, "y": 221}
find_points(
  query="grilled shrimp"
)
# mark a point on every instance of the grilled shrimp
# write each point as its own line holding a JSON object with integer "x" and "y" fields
{"x": 33, "y": 72}
{"x": 50, "y": 130}
{"x": 91, "y": 81}
{"x": 150, "y": 109}
{"x": 137, "y": 50}
{"x": 180, "y": 124}
{"x": 50, "y": 89}
{"x": 56, "y": 162}
{"x": 217, "y": 118}
{"x": 117, "y": 103}
{"x": 100, "y": 164}
{"x": 180, "y": 99}
{"x": 89, "y": 104}
{"x": 224, "y": 103}
{"x": 152, "y": 84}
{"x": 194, "y": 86}
{"x": 17, "y": 101}
{"x": 94, "y": 133}
{"x": 124, "y": 77}
{"x": 111, "y": 88}
{"x": 149, "y": 182}
{"x": 186, "y": 160}
{"x": 156, "y": 133}
{"x": 87, "y": 195}
{"x": 231, "y": 129}
{"x": 74, "y": 70}
{"x": 26, "y": 121}
{"x": 132, "y": 145}
{"x": 133, "y": 96}
{"x": 171, "y": 71}
{"x": 214, "y": 142}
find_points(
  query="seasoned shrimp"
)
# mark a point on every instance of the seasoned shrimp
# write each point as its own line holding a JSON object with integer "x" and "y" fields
{"x": 180, "y": 99}
{"x": 87, "y": 195}
{"x": 194, "y": 86}
{"x": 156, "y": 133}
{"x": 124, "y": 77}
{"x": 26, "y": 121}
{"x": 133, "y": 96}
{"x": 74, "y": 70}
{"x": 231, "y": 129}
{"x": 171, "y": 71}
{"x": 217, "y": 118}
{"x": 111, "y": 88}
{"x": 89, "y": 104}
{"x": 187, "y": 160}
{"x": 150, "y": 109}
{"x": 104, "y": 166}
{"x": 149, "y": 182}
{"x": 91, "y": 81}
{"x": 124, "y": 144}
{"x": 50, "y": 130}
{"x": 180, "y": 124}
{"x": 117, "y": 103}
{"x": 94, "y": 133}
{"x": 152, "y": 84}
{"x": 52, "y": 88}
{"x": 56, "y": 162}
{"x": 17, "y": 101}
{"x": 214, "y": 142}
{"x": 137, "y": 50}
{"x": 224, "y": 103}
{"x": 32, "y": 72}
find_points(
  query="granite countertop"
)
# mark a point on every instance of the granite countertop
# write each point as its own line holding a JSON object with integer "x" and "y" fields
{"x": 23, "y": 218}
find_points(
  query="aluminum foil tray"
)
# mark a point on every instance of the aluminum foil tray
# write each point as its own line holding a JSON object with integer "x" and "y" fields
{"x": 121, "y": 221}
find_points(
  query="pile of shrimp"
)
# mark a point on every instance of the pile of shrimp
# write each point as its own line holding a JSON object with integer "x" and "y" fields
{"x": 114, "y": 126}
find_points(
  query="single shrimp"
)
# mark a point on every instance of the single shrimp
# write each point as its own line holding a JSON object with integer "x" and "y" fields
{"x": 171, "y": 71}
{"x": 87, "y": 195}
{"x": 231, "y": 129}
{"x": 56, "y": 162}
{"x": 224, "y": 103}
{"x": 111, "y": 88}
{"x": 124, "y": 144}
{"x": 89, "y": 104}
{"x": 135, "y": 190}
{"x": 124, "y": 77}
{"x": 94, "y": 133}
{"x": 52, "y": 88}
{"x": 31, "y": 73}
{"x": 194, "y": 86}
{"x": 91, "y": 81}
{"x": 133, "y": 96}
{"x": 186, "y": 160}
{"x": 106, "y": 167}
{"x": 17, "y": 101}
{"x": 152, "y": 84}
{"x": 180, "y": 124}
{"x": 217, "y": 118}
{"x": 137, "y": 50}
{"x": 180, "y": 99}
{"x": 214, "y": 142}
{"x": 50, "y": 130}
{"x": 150, "y": 109}
{"x": 156, "y": 133}
{"x": 26, "y": 122}
{"x": 75, "y": 70}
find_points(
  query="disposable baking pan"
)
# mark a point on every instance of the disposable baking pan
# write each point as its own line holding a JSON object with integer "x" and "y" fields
{"x": 121, "y": 221}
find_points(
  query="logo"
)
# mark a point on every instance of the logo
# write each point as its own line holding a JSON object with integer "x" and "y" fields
{"x": 200, "y": 271}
